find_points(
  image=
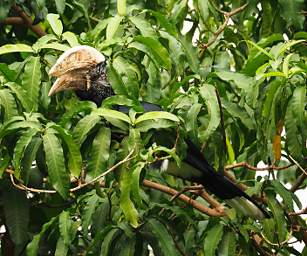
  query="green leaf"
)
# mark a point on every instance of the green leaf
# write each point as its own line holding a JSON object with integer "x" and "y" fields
{"x": 191, "y": 54}
{"x": 55, "y": 23}
{"x": 135, "y": 186}
{"x": 5, "y": 160}
{"x": 284, "y": 193}
{"x": 154, "y": 115}
{"x": 105, "y": 112}
{"x": 21, "y": 145}
{"x": 279, "y": 218}
{"x": 294, "y": 122}
{"x": 99, "y": 156}
{"x": 61, "y": 248}
{"x": 154, "y": 124}
{"x": 88, "y": 211}
{"x": 71, "y": 38}
{"x": 29, "y": 157}
{"x": 60, "y": 6}
{"x": 84, "y": 126}
{"x": 207, "y": 92}
{"x": 116, "y": 81}
{"x": 8, "y": 103}
{"x": 16, "y": 211}
{"x": 260, "y": 49}
{"x": 21, "y": 95}
{"x": 108, "y": 240}
{"x": 31, "y": 80}
{"x": 58, "y": 175}
{"x": 191, "y": 120}
{"x": 126, "y": 204}
{"x": 163, "y": 241}
{"x": 144, "y": 26}
{"x": 10, "y": 48}
{"x": 43, "y": 41}
{"x": 212, "y": 240}
{"x": 121, "y": 7}
{"x": 113, "y": 26}
{"x": 203, "y": 7}
{"x": 74, "y": 155}
{"x": 130, "y": 75}
{"x": 154, "y": 49}
{"x": 164, "y": 22}
{"x": 237, "y": 112}
{"x": 33, "y": 246}
{"x": 227, "y": 246}
{"x": 67, "y": 228}
{"x": 55, "y": 46}
{"x": 290, "y": 12}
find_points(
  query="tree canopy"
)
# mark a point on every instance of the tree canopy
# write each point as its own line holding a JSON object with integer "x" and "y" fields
{"x": 230, "y": 75}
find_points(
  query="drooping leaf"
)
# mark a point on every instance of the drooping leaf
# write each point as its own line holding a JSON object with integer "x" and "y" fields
{"x": 144, "y": 26}
{"x": 21, "y": 95}
{"x": 74, "y": 155}
{"x": 163, "y": 241}
{"x": 83, "y": 127}
{"x": 58, "y": 175}
{"x": 33, "y": 246}
{"x": 99, "y": 156}
{"x": 16, "y": 210}
{"x": 21, "y": 145}
{"x": 112, "y": 27}
{"x": 154, "y": 49}
{"x": 208, "y": 94}
{"x": 8, "y": 103}
{"x": 212, "y": 240}
{"x": 31, "y": 80}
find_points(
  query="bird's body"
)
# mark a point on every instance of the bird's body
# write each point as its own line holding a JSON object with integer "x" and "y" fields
{"x": 93, "y": 85}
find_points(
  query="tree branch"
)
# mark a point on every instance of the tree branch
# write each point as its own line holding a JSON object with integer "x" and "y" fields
{"x": 28, "y": 22}
{"x": 200, "y": 207}
{"x": 227, "y": 16}
{"x": 253, "y": 168}
{"x": 12, "y": 21}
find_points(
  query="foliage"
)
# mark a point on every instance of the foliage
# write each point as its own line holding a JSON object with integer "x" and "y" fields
{"x": 256, "y": 66}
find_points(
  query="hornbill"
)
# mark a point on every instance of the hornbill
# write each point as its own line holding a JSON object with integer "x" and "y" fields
{"x": 83, "y": 69}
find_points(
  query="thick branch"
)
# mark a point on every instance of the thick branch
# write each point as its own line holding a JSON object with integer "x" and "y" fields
{"x": 12, "y": 21}
{"x": 200, "y": 207}
{"x": 28, "y": 22}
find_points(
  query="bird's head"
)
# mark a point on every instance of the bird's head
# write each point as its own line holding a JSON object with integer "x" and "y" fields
{"x": 81, "y": 68}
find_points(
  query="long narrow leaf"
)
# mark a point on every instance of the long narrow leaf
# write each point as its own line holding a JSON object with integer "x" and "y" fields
{"x": 58, "y": 175}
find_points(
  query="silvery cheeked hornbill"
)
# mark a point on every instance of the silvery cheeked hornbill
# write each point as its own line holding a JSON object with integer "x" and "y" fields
{"x": 83, "y": 69}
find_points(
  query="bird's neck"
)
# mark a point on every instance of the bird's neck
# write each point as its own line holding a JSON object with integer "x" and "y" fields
{"x": 99, "y": 87}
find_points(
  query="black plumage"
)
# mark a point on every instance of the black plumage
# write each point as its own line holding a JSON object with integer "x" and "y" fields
{"x": 195, "y": 168}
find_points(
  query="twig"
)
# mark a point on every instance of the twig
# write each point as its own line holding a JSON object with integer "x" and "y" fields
{"x": 253, "y": 168}
{"x": 200, "y": 207}
{"x": 28, "y": 22}
{"x": 227, "y": 15}
{"x": 303, "y": 211}
{"x": 297, "y": 164}
{"x": 35, "y": 190}
{"x": 280, "y": 243}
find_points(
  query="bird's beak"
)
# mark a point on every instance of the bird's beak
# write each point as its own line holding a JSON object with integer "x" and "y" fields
{"x": 70, "y": 81}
